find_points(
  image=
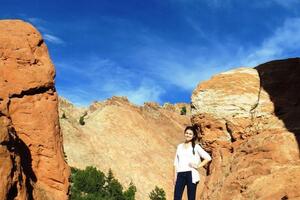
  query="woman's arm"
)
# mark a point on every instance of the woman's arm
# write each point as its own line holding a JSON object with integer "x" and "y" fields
{"x": 203, "y": 154}
{"x": 203, "y": 163}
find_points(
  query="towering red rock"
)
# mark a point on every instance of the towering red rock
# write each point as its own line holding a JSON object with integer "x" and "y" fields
{"x": 250, "y": 122}
{"x": 31, "y": 143}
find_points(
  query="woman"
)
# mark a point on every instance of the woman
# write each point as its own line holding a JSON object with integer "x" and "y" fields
{"x": 187, "y": 161}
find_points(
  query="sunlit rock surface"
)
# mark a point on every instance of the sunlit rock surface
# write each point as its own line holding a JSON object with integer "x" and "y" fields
{"x": 32, "y": 161}
{"x": 250, "y": 122}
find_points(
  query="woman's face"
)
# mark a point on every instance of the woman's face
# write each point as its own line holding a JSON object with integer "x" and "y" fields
{"x": 188, "y": 135}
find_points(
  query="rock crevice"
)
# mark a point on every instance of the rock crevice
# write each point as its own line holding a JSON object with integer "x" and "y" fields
{"x": 33, "y": 91}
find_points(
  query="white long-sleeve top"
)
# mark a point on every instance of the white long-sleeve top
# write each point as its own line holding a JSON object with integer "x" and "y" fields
{"x": 184, "y": 156}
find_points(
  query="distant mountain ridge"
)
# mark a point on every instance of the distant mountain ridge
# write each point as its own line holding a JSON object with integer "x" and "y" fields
{"x": 137, "y": 142}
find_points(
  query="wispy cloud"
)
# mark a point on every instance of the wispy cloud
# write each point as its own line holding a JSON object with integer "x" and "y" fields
{"x": 53, "y": 39}
{"x": 41, "y": 24}
{"x": 186, "y": 67}
{"x": 185, "y": 75}
{"x": 102, "y": 78}
{"x": 181, "y": 67}
{"x": 76, "y": 95}
{"x": 148, "y": 90}
{"x": 284, "y": 40}
{"x": 148, "y": 57}
{"x": 200, "y": 30}
{"x": 164, "y": 65}
{"x": 285, "y": 3}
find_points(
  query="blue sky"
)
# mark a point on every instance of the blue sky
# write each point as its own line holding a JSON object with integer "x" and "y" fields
{"x": 155, "y": 50}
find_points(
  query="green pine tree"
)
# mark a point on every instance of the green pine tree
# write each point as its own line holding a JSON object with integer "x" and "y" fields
{"x": 130, "y": 192}
{"x": 183, "y": 110}
{"x": 157, "y": 194}
{"x": 89, "y": 180}
{"x": 110, "y": 176}
{"x": 81, "y": 120}
{"x": 92, "y": 184}
{"x": 64, "y": 116}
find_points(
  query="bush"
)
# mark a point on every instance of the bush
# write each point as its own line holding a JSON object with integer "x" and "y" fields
{"x": 64, "y": 116}
{"x": 183, "y": 110}
{"x": 81, "y": 120}
{"x": 92, "y": 184}
{"x": 157, "y": 194}
{"x": 65, "y": 156}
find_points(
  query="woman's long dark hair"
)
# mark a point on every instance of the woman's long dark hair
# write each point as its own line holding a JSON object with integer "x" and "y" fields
{"x": 195, "y": 135}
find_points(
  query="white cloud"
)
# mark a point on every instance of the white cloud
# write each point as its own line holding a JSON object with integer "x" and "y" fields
{"x": 285, "y": 39}
{"x": 183, "y": 68}
{"x": 102, "y": 78}
{"x": 76, "y": 95}
{"x": 146, "y": 91}
{"x": 53, "y": 39}
{"x": 186, "y": 67}
{"x": 47, "y": 34}
{"x": 186, "y": 76}
{"x": 163, "y": 65}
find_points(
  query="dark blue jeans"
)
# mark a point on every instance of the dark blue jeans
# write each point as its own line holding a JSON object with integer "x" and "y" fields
{"x": 185, "y": 179}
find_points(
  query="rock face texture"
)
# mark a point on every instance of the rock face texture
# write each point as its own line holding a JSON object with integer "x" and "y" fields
{"x": 137, "y": 142}
{"x": 32, "y": 161}
{"x": 178, "y": 107}
{"x": 250, "y": 122}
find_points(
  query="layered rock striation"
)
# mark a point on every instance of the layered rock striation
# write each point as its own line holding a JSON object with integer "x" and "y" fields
{"x": 250, "y": 122}
{"x": 32, "y": 160}
{"x": 137, "y": 142}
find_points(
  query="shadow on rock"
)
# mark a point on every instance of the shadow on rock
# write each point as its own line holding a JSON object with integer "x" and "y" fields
{"x": 282, "y": 83}
{"x": 21, "y": 149}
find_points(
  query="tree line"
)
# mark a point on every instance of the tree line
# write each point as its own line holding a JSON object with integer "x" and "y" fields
{"x": 93, "y": 184}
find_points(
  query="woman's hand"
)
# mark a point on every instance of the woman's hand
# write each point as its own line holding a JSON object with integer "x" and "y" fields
{"x": 193, "y": 165}
{"x": 204, "y": 162}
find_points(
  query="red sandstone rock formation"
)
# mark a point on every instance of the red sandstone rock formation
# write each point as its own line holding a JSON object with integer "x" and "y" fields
{"x": 137, "y": 142}
{"x": 32, "y": 160}
{"x": 250, "y": 121}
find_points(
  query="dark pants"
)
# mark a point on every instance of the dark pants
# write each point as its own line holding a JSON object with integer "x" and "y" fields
{"x": 185, "y": 179}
